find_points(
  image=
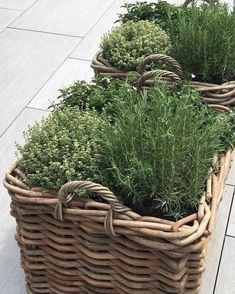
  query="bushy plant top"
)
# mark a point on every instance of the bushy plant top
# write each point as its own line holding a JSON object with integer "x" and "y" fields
{"x": 153, "y": 149}
{"x": 205, "y": 43}
{"x": 126, "y": 45}
{"x": 102, "y": 94}
{"x": 159, "y": 151}
{"x": 63, "y": 147}
{"x": 202, "y": 37}
{"x": 160, "y": 12}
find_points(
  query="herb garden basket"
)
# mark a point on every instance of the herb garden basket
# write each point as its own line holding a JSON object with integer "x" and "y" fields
{"x": 74, "y": 245}
{"x": 223, "y": 94}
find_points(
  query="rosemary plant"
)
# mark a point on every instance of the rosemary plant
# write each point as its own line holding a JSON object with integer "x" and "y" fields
{"x": 159, "y": 151}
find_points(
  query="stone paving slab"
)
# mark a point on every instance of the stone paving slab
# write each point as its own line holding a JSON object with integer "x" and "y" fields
{"x": 90, "y": 45}
{"x": 70, "y": 71}
{"x": 33, "y": 66}
{"x": 68, "y": 17}
{"x": 216, "y": 246}
{"x": 11, "y": 274}
{"x": 226, "y": 276}
{"x": 28, "y": 60}
{"x": 17, "y": 4}
{"x": 7, "y": 16}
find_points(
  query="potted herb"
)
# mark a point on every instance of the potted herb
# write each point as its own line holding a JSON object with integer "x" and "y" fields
{"x": 126, "y": 45}
{"x": 202, "y": 41}
{"x": 165, "y": 156}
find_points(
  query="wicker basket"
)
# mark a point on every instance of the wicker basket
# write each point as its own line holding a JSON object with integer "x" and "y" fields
{"x": 223, "y": 94}
{"x": 103, "y": 68}
{"x": 82, "y": 246}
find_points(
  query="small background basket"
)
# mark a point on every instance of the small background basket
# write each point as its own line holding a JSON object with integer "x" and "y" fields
{"x": 223, "y": 94}
{"x": 82, "y": 246}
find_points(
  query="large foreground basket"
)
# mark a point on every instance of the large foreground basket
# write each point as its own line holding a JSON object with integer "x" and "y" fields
{"x": 82, "y": 246}
{"x": 223, "y": 94}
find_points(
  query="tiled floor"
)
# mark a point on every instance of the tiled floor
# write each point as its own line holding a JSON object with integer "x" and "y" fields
{"x": 46, "y": 45}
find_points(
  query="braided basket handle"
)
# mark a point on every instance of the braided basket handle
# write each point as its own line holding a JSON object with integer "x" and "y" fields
{"x": 160, "y": 73}
{"x": 175, "y": 66}
{"x": 66, "y": 194}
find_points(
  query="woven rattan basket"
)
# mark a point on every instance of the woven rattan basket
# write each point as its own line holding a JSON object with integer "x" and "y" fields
{"x": 212, "y": 93}
{"x": 82, "y": 246}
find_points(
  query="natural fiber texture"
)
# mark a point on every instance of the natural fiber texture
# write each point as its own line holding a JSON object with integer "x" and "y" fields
{"x": 212, "y": 93}
{"x": 103, "y": 68}
{"x": 73, "y": 245}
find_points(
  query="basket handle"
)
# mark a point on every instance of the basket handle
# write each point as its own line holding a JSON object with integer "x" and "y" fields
{"x": 65, "y": 195}
{"x": 160, "y": 57}
{"x": 160, "y": 73}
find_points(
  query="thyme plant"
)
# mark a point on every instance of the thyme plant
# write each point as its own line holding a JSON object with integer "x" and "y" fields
{"x": 126, "y": 45}
{"x": 62, "y": 148}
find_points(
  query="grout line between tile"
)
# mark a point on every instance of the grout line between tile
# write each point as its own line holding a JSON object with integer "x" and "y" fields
{"x": 96, "y": 23}
{"x": 12, "y": 122}
{"x": 230, "y": 236}
{"x": 23, "y": 11}
{"x": 5, "y": 8}
{"x": 36, "y": 108}
{"x": 231, "y": 185}
{"x": 83, "y": 59}
{"x": 52, "y": 74}
{"x": 44, "y": 32}
{"x": 100, "y": 17}
{"x": 26, "y": 106}
{"x": 222, "y": 250}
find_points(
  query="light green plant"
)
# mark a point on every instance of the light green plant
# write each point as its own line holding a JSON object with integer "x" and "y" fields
{"x": 126, "y": 45}
{"x": 62, "y": 148}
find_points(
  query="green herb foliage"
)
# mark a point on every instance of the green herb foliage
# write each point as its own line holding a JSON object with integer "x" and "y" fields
{"x": 159, "y": 151}
{"x": 202, "y": 37}
{"x": 102, "y": 94}
{"x": 205, "y": 45}
{"x": 161, "y": 13}
{"x": 63, "y": 147}
{"x": 153, "y": 149}
{"x": 126, "y": 45}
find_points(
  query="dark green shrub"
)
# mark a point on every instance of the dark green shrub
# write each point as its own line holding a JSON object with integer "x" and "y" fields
{"x": 101, "y": 95}
{"x": 202, "y": 37}
{"x": 160, "y": 12}
{"x": 205, "y": 44}
{"x": 159, "y": 151}
{"x": 126, "y": 45}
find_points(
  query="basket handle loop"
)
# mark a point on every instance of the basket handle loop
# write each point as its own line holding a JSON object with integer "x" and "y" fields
{"x": 175, "y": 66}
{"x": 66, "y": 194}
{"x": 159, "y": 73}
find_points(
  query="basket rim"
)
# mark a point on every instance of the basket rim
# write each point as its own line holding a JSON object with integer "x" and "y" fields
{"x": 98, "y": 61}
{"x": 223, "y": 94}
{"x": 188, "y": 232}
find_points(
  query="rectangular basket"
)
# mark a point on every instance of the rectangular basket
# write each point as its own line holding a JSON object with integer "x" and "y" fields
{"x": 223, "y": 94}
{"x": 93, "y": 247}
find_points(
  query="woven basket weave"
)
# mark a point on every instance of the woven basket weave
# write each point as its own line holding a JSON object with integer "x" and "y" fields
{"x": 223, "y": 94}
{"x": 82, "y": 246}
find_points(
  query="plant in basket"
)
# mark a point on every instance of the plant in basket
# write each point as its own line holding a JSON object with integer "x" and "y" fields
{"x": 140, "y": 191}
{"x": 161, "y": 13}
{"x": 106, "y": 125}
{"x": 203, "y": 43}
{"x": 126, "y": 45}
